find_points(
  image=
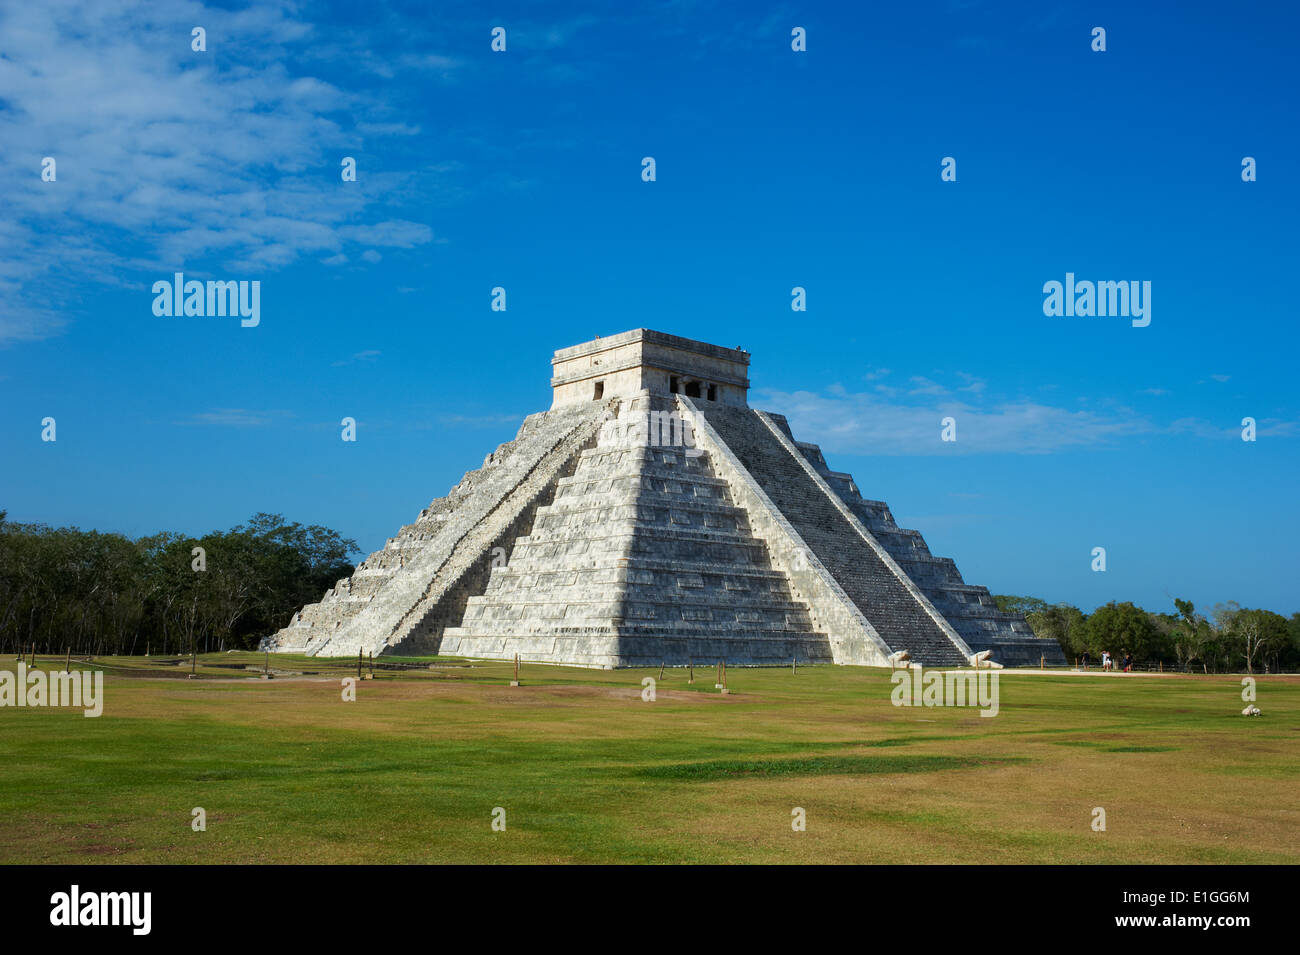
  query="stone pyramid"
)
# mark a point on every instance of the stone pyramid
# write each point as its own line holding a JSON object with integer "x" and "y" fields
{"x": 652, "y": 517}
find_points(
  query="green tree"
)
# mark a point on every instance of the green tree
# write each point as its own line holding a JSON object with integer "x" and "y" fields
{"x": 1121, "y": 628}
{"x": 1063, "y": 623}
{"x": 1250, "y": 636}
{"x": 1290, "y": 656}
{"x": 1192, "y": 634}
{"x": 103, "y": 593}
{"x": 1022, "y": 605}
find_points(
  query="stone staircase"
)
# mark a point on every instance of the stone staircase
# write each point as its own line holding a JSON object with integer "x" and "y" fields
{"x": 641, "y": 558}
{"x": 897, "y": 611}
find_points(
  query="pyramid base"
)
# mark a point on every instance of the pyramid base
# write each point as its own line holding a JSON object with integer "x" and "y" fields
{"x": 615, "y": 651}
{"x": 1020, "y": 651}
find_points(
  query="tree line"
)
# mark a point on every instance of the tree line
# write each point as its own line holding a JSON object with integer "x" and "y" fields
{"x": 1229, "y": 639}
{"x": 106, "y": 594}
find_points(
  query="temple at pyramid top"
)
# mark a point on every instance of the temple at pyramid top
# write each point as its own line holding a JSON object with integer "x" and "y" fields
{"x": 642, "y": 360}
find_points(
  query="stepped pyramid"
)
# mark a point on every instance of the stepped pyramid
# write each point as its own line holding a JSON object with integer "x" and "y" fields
{"x": 651, "y": 516}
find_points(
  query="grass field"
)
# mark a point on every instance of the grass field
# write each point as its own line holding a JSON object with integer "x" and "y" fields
{"x": 588, "y": 772}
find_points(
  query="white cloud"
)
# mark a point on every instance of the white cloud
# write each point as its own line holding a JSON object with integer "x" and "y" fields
{"x": 237, "y": 417}
{"x": 866, "y": 423}
{"x": 173, "y": 159}
{"x": 395, "y": 233}
{"x": 869, "y": 423}
{"x": 369, "y": 355}
{"x": 924, "y": 386}
{"x": 478, "y": 421}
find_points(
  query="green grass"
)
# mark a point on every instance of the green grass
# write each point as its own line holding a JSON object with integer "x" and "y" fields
{"x": 813, "y": 766}
{"x": 587, "y": 772}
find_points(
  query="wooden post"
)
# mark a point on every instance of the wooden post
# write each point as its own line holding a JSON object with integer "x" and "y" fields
{"x": 1162, "y": 666}
{"x": 359, "y": 654}
{"x": 1042, "y": 661}
{"x": 724, "y": 677}
{"x": 662, "y": 664}
{"x": 691, "y": 667}
{"x": 515, "y": 681}
{"x": 67, "y": 661}
{"x": 194, "y": 651}
{"x": 266, "y": 664}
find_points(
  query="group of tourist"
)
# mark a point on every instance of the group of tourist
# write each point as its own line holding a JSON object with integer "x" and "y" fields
{"x": 1109, "y": 663}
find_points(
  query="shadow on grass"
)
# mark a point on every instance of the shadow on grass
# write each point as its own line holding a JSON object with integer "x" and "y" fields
{"x": 1106, "y": 746}
{"x": 820, "y": 766}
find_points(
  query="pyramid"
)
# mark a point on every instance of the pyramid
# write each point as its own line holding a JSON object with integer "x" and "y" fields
{"x": 649, "y": 517}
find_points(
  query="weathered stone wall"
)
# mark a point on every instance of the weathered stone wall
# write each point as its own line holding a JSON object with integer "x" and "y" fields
{"x": 445, "y": 545}
{"x": 448, "y": 609}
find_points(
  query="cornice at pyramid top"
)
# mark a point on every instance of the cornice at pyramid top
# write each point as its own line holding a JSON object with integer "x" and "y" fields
{"x": 644, "y": 361}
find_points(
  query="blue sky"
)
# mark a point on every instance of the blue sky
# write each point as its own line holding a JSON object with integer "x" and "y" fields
{"x": 774, "y": 169}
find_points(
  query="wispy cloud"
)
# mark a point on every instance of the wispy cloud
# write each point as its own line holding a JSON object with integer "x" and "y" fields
{"x": 865, "y": 423}
{"x": 238, "y": 418}
{"x": 366, "y": 357}
{"x": 478, "y": 421}
{"x": 924, "y": 386}
{"x": 871, "y": 423}
{"x": 171, "y": 158}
